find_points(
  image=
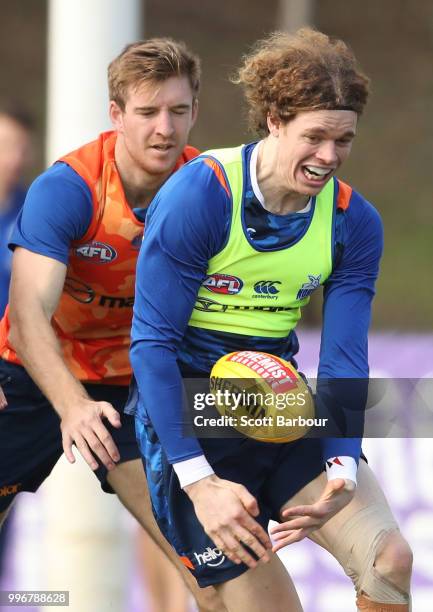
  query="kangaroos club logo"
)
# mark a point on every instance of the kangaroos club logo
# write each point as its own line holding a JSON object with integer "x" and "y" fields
{"x": 223, "y": 283}
{"x": 98, "y": 252}
{"x": 308, "y": 288}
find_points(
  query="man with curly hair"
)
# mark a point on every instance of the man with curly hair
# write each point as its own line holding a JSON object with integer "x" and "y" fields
{"x": 272, "y": 209}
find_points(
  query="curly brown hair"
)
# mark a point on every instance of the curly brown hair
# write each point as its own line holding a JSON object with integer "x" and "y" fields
{"x": 288, "y": 73}
{"x": 155, "y": 59}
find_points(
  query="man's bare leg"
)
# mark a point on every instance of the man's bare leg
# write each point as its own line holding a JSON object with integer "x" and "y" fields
{"x": 128, "y": 480}
{"x": 365, "y": 539}
{"x": 266, "y": 587}
{"x": 165, "y": 587}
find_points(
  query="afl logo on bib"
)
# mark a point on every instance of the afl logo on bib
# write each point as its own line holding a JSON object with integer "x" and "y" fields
{"x": 98, "y": 252}
{"x": 223, "y": 283}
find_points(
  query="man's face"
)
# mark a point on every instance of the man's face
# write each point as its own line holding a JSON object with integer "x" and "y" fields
{"x": 311, "y": 147}
{"x": 155, "y": 125}
{"x": 14, "y": 151}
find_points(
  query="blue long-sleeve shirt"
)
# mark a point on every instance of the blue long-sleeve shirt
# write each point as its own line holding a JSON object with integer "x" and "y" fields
{"x": 187, "y": 224}
{"x": 58, "y": 209}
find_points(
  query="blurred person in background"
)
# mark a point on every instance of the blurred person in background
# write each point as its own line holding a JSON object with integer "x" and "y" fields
{"x": 16, "y": 127}
{"x": 65, "y": 336}
{"x": 271, "y": 209}
{"x": 15, "y": 155}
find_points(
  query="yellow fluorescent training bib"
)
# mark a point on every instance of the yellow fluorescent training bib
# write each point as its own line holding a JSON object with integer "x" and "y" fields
{"x": 261, "y": 293}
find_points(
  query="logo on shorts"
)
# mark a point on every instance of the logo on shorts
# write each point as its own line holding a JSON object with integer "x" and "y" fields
{"x": 223, "y": 283}
{"x": 98, "y": 252}
{"x": 213, "y": 557}
{"x": 308, "y": 288}
{"x": 12, "y": 489}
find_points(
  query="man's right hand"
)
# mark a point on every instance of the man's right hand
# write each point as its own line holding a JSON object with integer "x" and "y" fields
{"x": 82, "y": 425}
{"x": 226, "y": 510}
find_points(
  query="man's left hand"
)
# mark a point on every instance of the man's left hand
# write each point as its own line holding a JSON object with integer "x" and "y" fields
{"x": 303, "y": 520}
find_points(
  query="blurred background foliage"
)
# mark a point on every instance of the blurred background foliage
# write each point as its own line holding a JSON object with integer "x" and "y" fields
{"x": 391, "y": 163}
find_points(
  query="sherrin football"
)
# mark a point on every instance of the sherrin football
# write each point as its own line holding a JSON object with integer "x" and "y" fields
{"x": 262, "y": 396}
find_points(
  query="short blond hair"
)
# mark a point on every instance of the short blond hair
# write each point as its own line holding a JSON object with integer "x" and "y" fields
{"x": 155, "y": 59}
{"x": 289, "y": 73}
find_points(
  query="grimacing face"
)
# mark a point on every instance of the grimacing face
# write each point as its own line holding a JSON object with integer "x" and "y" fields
{"x": 311, "y": 147}
{"x": 155, "y": 124}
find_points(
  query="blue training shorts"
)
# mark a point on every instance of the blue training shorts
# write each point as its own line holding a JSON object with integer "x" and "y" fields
{"x": 30, "y": 436}
{"x": 273, "y": 473}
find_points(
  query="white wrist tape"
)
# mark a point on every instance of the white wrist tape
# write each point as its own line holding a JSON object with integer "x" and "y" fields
{"x": 341, "y": 467}
{"x": 191, "y": 470}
